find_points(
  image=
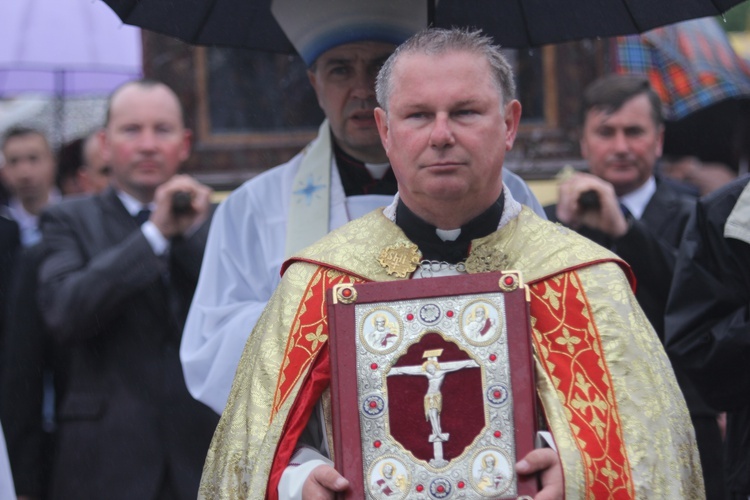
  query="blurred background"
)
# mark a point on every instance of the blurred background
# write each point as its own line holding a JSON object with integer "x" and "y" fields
{"x": 253, "y": 109}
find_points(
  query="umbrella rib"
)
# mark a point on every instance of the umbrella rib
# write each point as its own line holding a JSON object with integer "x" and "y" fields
{"x": 718, "y": 9}
{"x": 525, "y": 23}
{"x": 125, "y": 15}
{"x": 27, "y": 16}
{"x": 204, "y": 20}
{"x": 626, "y": 3}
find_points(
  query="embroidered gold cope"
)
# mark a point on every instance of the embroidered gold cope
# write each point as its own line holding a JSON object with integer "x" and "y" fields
{"x": 606, "y": 387}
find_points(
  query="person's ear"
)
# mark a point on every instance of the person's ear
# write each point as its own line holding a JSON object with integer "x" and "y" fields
{"x": 101, "y": 136}
{"x": 381, "y": 120}
{"x": 512, "y": 121}
{"x": 187, "y": 143}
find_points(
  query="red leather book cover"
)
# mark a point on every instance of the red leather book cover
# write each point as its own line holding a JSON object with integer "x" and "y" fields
{"x": 433, "y": 387}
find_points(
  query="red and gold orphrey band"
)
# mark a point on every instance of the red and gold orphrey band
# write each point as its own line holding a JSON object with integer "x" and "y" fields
{"x": 561, "y": 319}
{"x": 309, "y": 333}
{"x": 269, "y": 403}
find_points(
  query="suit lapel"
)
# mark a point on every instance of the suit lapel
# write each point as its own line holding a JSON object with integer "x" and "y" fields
{"x": 119, "y": 225}
{"x": 661, "y": 211}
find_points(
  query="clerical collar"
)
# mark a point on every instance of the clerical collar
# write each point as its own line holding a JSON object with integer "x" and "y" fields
{"x": 436, "y": 244}
{"x": 360, "y": 178}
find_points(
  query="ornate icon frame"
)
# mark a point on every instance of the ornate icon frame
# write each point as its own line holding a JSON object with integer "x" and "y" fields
{"x": 375, "y": 329}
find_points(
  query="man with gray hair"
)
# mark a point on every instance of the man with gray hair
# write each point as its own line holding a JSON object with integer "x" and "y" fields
{"x": 446, "y": 120}
{"x": 343, "y": 174}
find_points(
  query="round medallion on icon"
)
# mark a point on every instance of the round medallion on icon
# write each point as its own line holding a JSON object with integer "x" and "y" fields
{"x": 381, "y": 331}
{"x": 480, "y": 323}
{"x": 388, "y": 478}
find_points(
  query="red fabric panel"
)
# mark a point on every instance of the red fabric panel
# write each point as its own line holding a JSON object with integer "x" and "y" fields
{"x": 570, "y": 350}
{"x": 311, "y": 391}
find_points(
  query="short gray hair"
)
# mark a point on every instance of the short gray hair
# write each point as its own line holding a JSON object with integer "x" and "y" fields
{"x": 440, "y": 41}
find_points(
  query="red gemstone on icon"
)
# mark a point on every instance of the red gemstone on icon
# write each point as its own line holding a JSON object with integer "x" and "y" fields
{"x": 420, "y": 488}
{"x": 377, "y": 444}
{"x": 374, "y": 366}
{"x": 346, "y": 292}
{"x": 373, "y": 404}
{"x": 509, "y": 280}
{"x": 461, "y": 484}
{"x": 497, "y": 394}
{"x": 493, "y": 357}
{"x": 440, "y": 489}
{"x": 498, "y": 434}
{"x": 409, "y": 317}
{"x": 449, "y": 314}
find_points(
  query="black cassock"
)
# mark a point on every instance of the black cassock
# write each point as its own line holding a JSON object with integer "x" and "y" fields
{"x": 708, "y": 319}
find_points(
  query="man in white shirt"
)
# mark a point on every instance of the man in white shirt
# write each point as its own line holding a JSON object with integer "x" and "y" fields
{"x": 115, "y": 282}
{"x": 28, "y": 170}
{"x": 622, "y": 205}
{"x": 343, "y": 174}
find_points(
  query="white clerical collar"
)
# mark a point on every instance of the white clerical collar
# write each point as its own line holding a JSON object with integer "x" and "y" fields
{"x": 132, "y": 205}
{"x": 448, "y": 234}
{"x": 637, "y": 200}
{"x": 377, "y": 170}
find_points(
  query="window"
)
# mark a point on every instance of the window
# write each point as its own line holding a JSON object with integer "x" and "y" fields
{"x": 260, "y": 98}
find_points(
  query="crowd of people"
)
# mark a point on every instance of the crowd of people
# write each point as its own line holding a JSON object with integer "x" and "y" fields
{"x": 154, "y": 346}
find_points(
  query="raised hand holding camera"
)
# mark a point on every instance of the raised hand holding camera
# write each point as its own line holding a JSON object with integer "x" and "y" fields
{"x": 587, "y": 200}
{"x": 181, "y": 204}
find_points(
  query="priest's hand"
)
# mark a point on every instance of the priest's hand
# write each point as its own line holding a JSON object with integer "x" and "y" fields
{"x": 603, "y": 211}
{"x": 546, "y": 462}
{"x": 322, "y": 483}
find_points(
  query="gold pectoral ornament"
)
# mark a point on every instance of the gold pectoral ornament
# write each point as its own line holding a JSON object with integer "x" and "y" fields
{"x": 400, "y": 260}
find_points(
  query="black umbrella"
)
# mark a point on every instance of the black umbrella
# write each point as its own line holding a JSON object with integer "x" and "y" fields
{"x": 512, "y": 23}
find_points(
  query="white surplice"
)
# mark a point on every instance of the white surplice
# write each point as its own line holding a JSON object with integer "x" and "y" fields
{"x": 7, "y": 492}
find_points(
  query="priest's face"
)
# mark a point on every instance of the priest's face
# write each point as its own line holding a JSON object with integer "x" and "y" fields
{"x": 344, "y": 81}
{"x": 446, "y": 133}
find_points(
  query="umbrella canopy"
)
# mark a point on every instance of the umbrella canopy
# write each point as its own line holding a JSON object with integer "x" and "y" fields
{"x": 65, "y": 47}
{"x": 691, "y": 65}
{"x": 62, "y": 49}
{"x": 512, "y": 23}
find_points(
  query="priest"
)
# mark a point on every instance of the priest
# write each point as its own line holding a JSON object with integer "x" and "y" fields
{"x": 447, "y": 117}
{"x": 341, "y": 175}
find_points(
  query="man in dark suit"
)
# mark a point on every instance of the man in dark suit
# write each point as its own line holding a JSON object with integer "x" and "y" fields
{"x": 116, "y": 278}
{"x": 28, "y": 362}
{"x": 623, "y": 206}
{"x": 708, "y": 317}
{"x": 27, "y": 167}
{"x": 10, "y": 241}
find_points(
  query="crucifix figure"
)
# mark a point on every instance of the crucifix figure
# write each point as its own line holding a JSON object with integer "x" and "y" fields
{"x": 433, "y": 399}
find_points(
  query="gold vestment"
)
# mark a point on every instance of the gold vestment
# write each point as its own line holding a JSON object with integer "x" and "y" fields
{"x": 619, "y": 422}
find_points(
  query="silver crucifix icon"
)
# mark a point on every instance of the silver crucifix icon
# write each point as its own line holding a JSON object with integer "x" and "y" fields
{"x": 433, "y": 399}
